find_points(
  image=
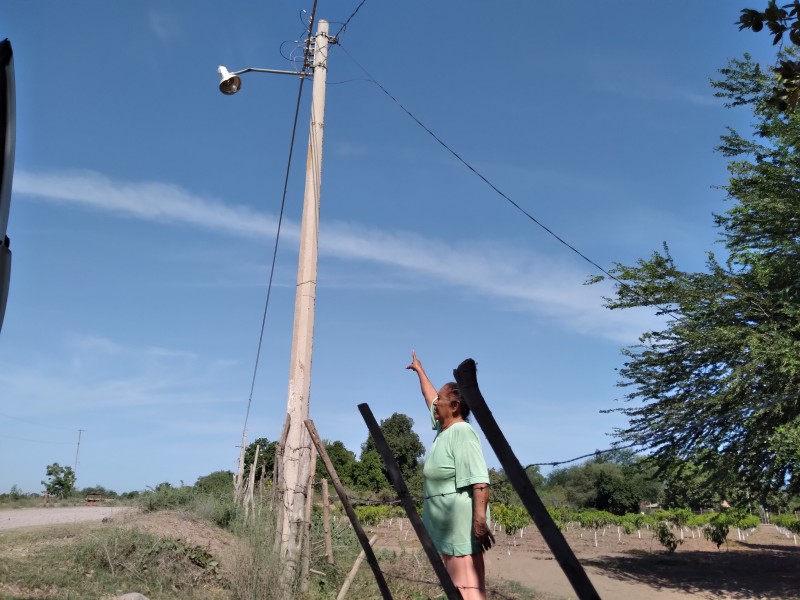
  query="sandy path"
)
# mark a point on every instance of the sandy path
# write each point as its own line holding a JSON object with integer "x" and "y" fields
{"x": 31, "y": 517}
{"x": 547, "y": 578}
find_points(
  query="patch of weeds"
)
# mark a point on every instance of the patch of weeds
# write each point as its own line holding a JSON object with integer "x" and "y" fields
{"x": 100, "y": 562}
{"x": 153, "y": 562}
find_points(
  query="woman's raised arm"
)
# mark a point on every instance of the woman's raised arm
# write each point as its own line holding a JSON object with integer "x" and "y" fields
{"x": 428, "y": 391}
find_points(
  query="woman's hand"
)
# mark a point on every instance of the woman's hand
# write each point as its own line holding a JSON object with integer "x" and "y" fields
{"x": 482, "y": 533}
{"x": 415, "y": 365}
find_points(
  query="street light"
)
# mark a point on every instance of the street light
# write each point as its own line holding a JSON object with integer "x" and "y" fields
{"x": 230, "y": 83}
{"x": 296, "y": 442}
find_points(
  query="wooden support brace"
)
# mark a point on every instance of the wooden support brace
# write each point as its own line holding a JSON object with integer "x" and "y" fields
{"x": 351, "y": 513}
{"x": 467, "y": 380}
{"x": 352, "y": 574}
{"x": 396, "y": 478}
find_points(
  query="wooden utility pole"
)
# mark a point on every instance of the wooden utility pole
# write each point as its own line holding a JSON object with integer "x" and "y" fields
{"x": 77, "y": 450}
{"x": 296, "y": 456}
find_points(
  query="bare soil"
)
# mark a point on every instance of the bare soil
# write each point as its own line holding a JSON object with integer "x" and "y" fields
{"x": 766, "y": 565}
{"x": 31, "y": 517}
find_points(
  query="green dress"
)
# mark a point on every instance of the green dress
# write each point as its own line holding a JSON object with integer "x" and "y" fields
{"x": 453, "y": 464}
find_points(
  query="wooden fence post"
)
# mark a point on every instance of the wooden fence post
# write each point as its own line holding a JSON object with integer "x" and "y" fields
{"x": 396, "y": 478}
{"x": 305, "y": 564}
{"x": 326, "y": 521}
{"x": 467, "y": 380}
{"x": 348, "y": 508}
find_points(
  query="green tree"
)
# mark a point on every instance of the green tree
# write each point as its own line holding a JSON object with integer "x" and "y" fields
{"x": 717, "y": 384}
{"x": 368, "y": 473}
{"x": 98, "y": 489}
{"x": 218, "y": 483}
{"x": 779, "y": 20}
{"x": 60, "y": 480}
{"x": 266, "y": 459}
{"x": 500, "y": 489}
{"x": 343, "y": 460}
{"x": 403, "y": 441}
{"x": 605, "y": 484}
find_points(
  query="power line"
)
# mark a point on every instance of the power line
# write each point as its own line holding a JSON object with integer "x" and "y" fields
{"x": 571, "y": 460}
{"x": 549, "y": 231}
{"x": 344, "y": 25}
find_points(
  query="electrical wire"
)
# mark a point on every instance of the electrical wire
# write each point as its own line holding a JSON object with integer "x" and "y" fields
{"x": 572, "y": 460}
{"x": 280, "y": 221}
{"x": 353, "y": 14}
{"x": 549, "y": 231}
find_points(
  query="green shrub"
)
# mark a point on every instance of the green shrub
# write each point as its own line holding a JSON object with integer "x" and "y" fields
{"x": 717, "y": 529}
{"x": 665, "y": 537}
{"x": 510, "y": 518}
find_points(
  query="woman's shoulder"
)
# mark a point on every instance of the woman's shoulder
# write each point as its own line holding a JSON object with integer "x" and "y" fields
{"x": 462, "y": 428}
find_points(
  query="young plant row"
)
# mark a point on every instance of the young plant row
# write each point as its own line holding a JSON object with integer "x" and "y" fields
{"x": 713, "y": 526}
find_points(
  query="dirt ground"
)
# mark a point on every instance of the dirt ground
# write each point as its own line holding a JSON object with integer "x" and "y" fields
{"x": 30, "y": 517}
{"x": 764, "y": 566}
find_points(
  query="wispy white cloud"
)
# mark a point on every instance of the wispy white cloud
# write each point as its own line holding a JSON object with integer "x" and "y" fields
{"x": 519, "y": 278}
{"x": 165, "y": 27}
{"x": 640, "y": 79}
{"x": 102, "y": 374}
{"x": 150, "y": 201}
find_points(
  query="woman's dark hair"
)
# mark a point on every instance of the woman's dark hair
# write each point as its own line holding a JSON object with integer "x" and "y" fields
{"x": 457, "y": 392}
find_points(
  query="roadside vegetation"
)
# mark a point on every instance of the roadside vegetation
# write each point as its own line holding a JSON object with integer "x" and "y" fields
{"x": 236, "y": 559}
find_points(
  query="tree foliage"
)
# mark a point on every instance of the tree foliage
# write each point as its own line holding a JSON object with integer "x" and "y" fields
{"x": 266, "y": 458}
{"x": 612, "y": 483}
{"x": 343, "y": 460}
{"x": 368, "y": 473}
{"x": 218, "y": 483}
{"x": 718, "y": 384}
{"x": 403, "y": 441}
{"x": 60, "y": 480}
{"x": 780, "y": 21}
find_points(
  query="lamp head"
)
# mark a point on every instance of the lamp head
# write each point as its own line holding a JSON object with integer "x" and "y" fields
{"x": 230, "y": 83}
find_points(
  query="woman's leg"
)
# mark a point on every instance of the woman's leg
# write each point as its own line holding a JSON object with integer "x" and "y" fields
{"x": 468, "y": 574}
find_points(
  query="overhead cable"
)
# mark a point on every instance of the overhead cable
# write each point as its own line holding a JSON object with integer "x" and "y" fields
{"x": 344, "y": 25}
{"x": 500, "y": 192}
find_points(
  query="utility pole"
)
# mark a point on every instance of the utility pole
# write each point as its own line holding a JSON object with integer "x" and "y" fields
{"x": 77, "y": 449}
{"x": 296, "y": 457}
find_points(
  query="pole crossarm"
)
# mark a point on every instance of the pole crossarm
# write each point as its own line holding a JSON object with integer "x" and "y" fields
{"x": 467, "y": 380}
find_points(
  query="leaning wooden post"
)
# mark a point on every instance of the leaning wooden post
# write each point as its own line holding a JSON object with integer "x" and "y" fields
{"x": 352, "y": 574}
{"x": 467, "y": 380}
{"x": 351, "y": 513}
{"x": 452, "y": 592}
{"x": 326, "y": 521}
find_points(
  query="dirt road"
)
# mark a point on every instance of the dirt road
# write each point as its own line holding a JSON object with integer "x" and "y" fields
{"x": 31, "y": 517}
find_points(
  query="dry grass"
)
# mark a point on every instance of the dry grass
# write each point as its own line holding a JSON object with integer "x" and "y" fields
{"x": 174, "y": 554}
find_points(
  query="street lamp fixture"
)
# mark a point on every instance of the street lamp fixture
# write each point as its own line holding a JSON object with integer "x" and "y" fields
{"x": 230, "y": 82}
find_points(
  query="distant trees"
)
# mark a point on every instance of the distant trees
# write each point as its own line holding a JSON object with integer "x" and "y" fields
{"x": 614, "y": 483}
{"x": 266, "y": 458}
{"x": 218, "y": 483}
{"x": 60, "y": 480}
{"x": 343, "y": 460}
{"x": 403, "y": 441}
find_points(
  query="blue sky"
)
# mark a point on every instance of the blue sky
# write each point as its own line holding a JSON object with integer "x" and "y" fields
{"x": 145, "y": 206}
